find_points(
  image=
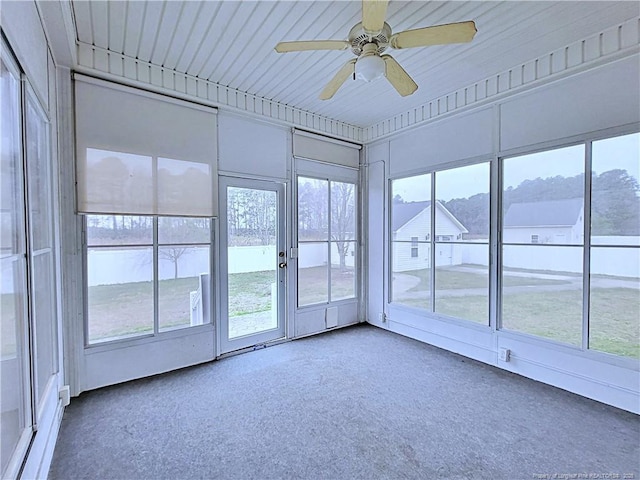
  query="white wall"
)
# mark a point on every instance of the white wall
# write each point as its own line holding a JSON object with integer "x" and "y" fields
{"x": 252, "y": 147}
{"x": 467, "y": 135}
{"x": 599, "y": 102}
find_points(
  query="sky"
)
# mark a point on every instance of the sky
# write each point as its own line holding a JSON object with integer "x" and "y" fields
{"x": 618, "y": 152}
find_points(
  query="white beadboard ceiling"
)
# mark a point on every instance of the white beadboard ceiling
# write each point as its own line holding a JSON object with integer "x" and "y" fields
{"x": 231, "y": 43}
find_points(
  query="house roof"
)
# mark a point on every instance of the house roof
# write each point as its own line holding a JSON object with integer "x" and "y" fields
{"x": 404, "y": 212}
{"x": 554, "y": 213}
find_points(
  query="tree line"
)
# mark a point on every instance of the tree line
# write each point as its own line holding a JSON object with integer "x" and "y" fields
{"x": 615, "y": 200}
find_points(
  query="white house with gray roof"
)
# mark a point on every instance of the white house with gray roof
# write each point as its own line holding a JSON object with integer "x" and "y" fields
{"x": 411, "y": 234}
{"x": 548, "y": 222}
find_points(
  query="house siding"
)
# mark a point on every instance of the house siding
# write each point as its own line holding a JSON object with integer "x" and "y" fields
{"x": 420, "y": 227}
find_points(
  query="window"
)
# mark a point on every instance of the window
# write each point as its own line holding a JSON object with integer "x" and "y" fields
{"x": 146, "y": 275}
{"x": 414, "y": 247}
{"x": 462, "y": 266}
{"x": 28, "y": 324}
{"x": 543, "y": 192}
{"x": 14, "y": 350}
{"x": 327, "y": 235}
{"x": 614, "y": 278}
{"x": 459, "y": 286}
{"x": 411, "y": 219}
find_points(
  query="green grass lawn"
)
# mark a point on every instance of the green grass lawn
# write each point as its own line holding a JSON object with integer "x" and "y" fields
{"x": 312, "y": 285}
{"x": 127, "y": 309}
{"x": 614, "y": 315}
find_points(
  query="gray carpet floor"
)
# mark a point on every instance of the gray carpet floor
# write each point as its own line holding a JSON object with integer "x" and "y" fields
{"x": 354, "y": 403}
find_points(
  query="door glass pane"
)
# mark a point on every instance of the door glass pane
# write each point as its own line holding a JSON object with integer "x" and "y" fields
{"x": 313, "y": 271}
{"x": 252, "y": 225}
{"x": 410, "y": 247}
{"x": 120, "y": 292}
{"x": 343, "y": 211}
{"x": 343, "y": 280}
{"x": 313, "y": 209}
{"x": 183, "y": 289}
{"x": 542, "y": 291}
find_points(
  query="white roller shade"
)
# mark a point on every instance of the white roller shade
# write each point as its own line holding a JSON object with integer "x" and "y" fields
{"x": 316, "y": 147}
{"x": 141, "y": 153}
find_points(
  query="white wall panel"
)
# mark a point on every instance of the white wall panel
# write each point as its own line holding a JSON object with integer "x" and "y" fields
{"x": 314, "y": 320}
{"x": 316, "y": 147}
{"x": 110, "y": 365}
{"x": 457, "y": 138}
{"x": 251, "y": 146}
{"x": 606, "y": 97}
{"x": 375, "y": 234}
{"x": 21, "y": 23}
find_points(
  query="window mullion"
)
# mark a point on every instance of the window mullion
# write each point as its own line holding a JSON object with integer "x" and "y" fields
{"x": 432, "y": 272}
{"x": 495, "y": 243}
{"x": 329, "y": 220}
{"x": 586, "y": 248}
{"x": 156, "y": 316}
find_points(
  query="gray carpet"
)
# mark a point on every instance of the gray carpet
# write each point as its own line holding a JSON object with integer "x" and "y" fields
{"x": 355, "y": 403}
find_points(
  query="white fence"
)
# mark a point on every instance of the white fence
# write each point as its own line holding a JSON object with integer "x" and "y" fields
{"x": 622, "y": 262}
{"x": 112, "y": 265}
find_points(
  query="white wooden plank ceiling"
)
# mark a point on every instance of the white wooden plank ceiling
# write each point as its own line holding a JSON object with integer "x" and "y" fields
{"x": 231, "y": 43}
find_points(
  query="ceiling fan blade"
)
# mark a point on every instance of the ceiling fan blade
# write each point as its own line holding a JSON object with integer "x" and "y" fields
{"x": 397, "y": 77}
{"x": 336, "y": 82}
{"x": 439, "y": 35}
{"x": 374, "y": 13}
{"x": 284, "y": 47}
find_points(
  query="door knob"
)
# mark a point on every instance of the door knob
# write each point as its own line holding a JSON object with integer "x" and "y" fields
{"x": 282, "y": 264}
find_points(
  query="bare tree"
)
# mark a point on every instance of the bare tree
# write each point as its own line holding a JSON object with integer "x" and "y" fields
{"x": 173, "y": 254}
{"x": 343, "y": 223}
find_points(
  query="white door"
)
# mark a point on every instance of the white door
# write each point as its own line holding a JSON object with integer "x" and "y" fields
{"x": 253, "y": 263}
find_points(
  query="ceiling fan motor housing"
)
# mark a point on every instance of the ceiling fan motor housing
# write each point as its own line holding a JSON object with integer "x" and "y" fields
{"x": 358, "y": 38}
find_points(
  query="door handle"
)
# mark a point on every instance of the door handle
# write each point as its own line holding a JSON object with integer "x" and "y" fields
{"x": 282, "y": 265}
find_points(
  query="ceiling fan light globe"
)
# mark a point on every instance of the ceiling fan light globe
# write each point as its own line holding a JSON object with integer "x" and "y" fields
{"x": 370, "y": 68}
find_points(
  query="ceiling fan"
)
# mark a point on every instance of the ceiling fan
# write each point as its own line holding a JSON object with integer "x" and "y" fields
{"x": 370, "y": 38}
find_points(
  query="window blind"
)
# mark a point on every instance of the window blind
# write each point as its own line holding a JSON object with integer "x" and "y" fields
{"x": 140, "y": 153}
{"x": 316, "y": 147}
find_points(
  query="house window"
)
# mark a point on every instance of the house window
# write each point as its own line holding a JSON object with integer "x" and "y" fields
{"x": 414, "y": 247}
{"x": 534, "y": 239}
